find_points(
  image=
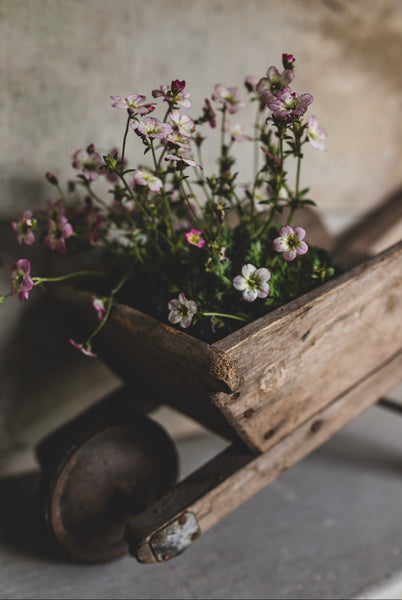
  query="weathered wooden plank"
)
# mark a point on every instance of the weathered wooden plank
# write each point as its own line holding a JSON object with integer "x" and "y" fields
{"x": 236, "y": 474}
{"x": 145, "y": 348}
{"x": 298, "y": 358}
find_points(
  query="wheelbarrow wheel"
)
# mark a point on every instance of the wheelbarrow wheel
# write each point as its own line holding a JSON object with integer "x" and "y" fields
{"x": 96, "y": 475}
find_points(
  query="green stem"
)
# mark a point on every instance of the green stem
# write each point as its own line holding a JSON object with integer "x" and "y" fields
{"x": 197, "y": 222}
{"x": 109, "y": 306}
{"x": 214, "y": 314}
{"x": 125, "y": 138}
{"x": 39, "y": 280}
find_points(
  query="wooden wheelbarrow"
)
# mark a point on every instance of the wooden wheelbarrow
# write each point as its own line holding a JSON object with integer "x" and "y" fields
{"x": 277, "y": 389}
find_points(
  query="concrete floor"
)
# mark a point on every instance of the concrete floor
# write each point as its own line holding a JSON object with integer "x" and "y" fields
{"x": 330, "y": 527}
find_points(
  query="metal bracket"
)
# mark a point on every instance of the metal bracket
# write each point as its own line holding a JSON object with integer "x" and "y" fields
{"x": 175, "y": 537}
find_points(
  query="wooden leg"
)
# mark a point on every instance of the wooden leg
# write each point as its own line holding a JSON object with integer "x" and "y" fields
{"x": 209, "y": 494}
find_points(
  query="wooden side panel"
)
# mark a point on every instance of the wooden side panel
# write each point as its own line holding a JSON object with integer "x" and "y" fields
{"x": 236, "y": 474}
{"x": 296, "y": 360}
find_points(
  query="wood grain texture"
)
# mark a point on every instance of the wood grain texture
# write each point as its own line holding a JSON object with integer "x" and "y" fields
{"x": 297, "y": 359}
{"x": 236, "y": 474}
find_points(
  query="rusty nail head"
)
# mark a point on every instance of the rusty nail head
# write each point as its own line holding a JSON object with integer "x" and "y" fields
{"x": 248, "y": 413}
{"x": 235, "y": 395}
{"x": 183, "y": 519}
{"x": 316, "y": 426}
{"x": 269, "y": 434}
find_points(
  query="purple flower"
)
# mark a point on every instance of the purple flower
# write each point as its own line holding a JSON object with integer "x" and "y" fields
{"x": 182, "y": 162}
{"x": 182, "y": 123}
{"x": 181, "y": 311}
{"x": 290, "y": 242}
{"x": 21, "y": 280}
{"x": 152, "y": 128}
{"x": 57, "y": 233}
{"x": 253, "y": 282}
{"x": 178, "y": 140}
{"x": 146, "y": 177}
{"x": 228, "y": 97}
{"x": 174, "y": 94}
{"x": 55, "y": 210}
{"x": 135, "y": 103}
{"x": 84, "y": 349}
{"x": 250, "y": 83}
{"x": 94, "y": 222}
{"x": 194, "y": 237}
{"x": 24, "y": 228}
{"x": 89, "y": 162}
{"x": 288, "y": 104}
{"x": 99, "y": 306}
{"x": 316, "y": 135}
{"x": 208, "y": 114}
{"x": 273, "y": 84}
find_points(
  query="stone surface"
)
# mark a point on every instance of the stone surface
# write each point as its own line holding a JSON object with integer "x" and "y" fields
{"x": 330, "y": 527}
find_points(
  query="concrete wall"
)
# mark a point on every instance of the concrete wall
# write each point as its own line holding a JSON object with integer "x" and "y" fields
{"x": 62, "y": 59}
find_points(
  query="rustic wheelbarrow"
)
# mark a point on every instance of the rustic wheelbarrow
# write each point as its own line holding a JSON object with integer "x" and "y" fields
{"x": 277, "y": 388}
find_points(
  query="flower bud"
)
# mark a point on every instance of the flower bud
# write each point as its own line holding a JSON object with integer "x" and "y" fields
{"x": 51, "y": 178}
{"x": 288, "y": 61}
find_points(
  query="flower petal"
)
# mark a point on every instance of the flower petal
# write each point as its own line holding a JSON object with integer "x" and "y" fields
{"x": 300, "y": 232}
{"x": 239, "y": 283}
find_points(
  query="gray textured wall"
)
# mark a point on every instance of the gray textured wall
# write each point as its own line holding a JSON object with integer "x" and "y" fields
{"x": 62, "y": 59}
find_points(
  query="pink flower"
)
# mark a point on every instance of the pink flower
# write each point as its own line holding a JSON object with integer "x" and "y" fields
{"x": 24, "y": 228}
{"x": 57, "y": 233}
{"x": 182, "y": 162}
{"x": 89, "y": 162}
{"x": 94, "y": 222}
{"x": 84, "y": 349}
{"x": 238, "y": 132}
{"x": 270, "y": 86}
{"x": 135, "y": 103}
{"x": 253, "y": 282}
{"x": 178, "y": 140}
{"x": 316, "y": 135}
{"x": 208, "y": 114}
{"x": 146, "y": 177}
{"x": 152, "y": 128}
{"x": 182, "y": 123}
{"x": 182, "y": 311}
{"x": 99, "y": 306}
{"x": 250, "y": 83}
{"x": 288, "y": 104}
{"x": 174, "y": 94}
{"x": 21, "y": 280}
{"x": 290, "y": 242}
{"x": 55, "y": 210}
{"x": 228, "y": 97}
{"x": 194, "y": 237}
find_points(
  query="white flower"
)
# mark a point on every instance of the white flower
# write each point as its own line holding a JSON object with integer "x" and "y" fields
{"x": 253, "y": 282}
{"x": 145, "y": 177}
{"x": 315, "y": 134}
{"x": 181, "y": 311}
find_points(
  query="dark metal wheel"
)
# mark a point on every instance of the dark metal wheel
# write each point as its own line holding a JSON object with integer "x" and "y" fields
{"x": 98, "y": 472}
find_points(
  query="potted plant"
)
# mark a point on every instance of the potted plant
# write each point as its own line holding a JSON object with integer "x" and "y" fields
{"x": 206, "y": 290}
